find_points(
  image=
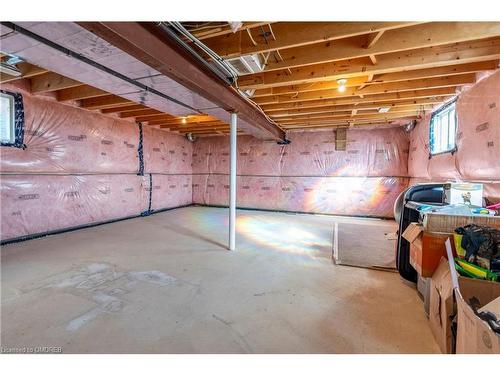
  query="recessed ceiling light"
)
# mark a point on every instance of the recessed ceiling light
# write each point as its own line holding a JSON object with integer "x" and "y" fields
{"x": 184, "y": 119}
{"x": 384, "y": 109}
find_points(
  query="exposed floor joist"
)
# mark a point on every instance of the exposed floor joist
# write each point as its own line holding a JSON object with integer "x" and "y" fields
{"x": 433, "y": 57}
{"x": 405, "y": 68}
{"x": 65, "y": 89}
{"x": 392, "y": 41}
{"x": 295, "y": 34}
{"x": 147, "y": 43}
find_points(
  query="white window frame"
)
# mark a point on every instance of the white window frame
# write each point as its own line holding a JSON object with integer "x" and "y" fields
{"x": 11, "y": 121}
{"x": 443, "y": 128}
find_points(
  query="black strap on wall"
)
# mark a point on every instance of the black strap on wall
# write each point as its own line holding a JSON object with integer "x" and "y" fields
{"x": 149, "y": 211}
{"x": 140, "y": 152}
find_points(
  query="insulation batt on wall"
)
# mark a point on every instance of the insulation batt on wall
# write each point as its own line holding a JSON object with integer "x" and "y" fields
{"x": 478, "y": 142}
{"x": 80, "y": 167}
{"x": 308, "y": 175}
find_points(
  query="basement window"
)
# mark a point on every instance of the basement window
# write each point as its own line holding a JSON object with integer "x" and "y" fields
{"x": 11, "y": 119}
{"x": 443, "y": 130}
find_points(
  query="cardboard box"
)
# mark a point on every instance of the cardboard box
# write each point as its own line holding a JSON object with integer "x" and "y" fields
{"x": 424, "y": 287}
{"x": 447, "y": 222}
{"x": 474, "y": 336}
{"x": 442, "y": 308}
{"x": 413, "y": 234}
{"x": 426, "y": 249}
{"x": 493, "y": 307}
{"x": 464, "y": 193}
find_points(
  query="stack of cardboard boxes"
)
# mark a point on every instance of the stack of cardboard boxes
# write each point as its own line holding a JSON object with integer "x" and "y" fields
{"x": 454, "y": 324}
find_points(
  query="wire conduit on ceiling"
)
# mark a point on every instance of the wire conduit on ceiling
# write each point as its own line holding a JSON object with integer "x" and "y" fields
{"x": 93, "y": 63}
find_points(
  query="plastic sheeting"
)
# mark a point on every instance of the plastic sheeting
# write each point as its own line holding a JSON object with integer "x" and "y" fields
{"x": 64, "y": 139}
{"x": 171, "y": 191}
{"x": 308, "y": 175}
{"x": 80, "y": 167}
{"x": 42, "y": 203}
{"x": 165, "y": 152}
{"x": 353, "y": 196}
{"x": 379, "y": 153}
{"x": 478, "y": 142}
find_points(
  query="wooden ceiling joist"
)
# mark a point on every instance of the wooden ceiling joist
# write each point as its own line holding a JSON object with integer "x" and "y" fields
{"x": 346, "y": 108}
{"x": 182, "y": 125}
{"x": 395, "y": 72}
{"x": 181, "y": 121}
{"x": 48, "y": 82}
{"x": 360, "y": 116}
{"x": 140, "y": 112}
{"x": 441, "y": 71}
{"x": 397, "y": 96}
{"x": 305, "y": 87}
{"x": 27, "y": 71}
{"x": 152, "y": 117}
{"x": 125, "y": 108}
{"x": 382, "y": 78}
{"x": 79, "y": 92}
{"x": 397, "y": 40}
{"x": 353, "y": 119}
{"x": 105, "y": 102}
{"x": 383, "y": 88}
{"x": 458, "y": 53}
{"x": 190, "y": 127}
{"x": 294, "y": 34}
{"x": 92, "y": 98}
{"x": 436, "y": 82}
{"x": 369, "y": 111}
{"x": 348, "y": 124}
{"x": 373, "y": 38}
{"x": 145, "y": 42}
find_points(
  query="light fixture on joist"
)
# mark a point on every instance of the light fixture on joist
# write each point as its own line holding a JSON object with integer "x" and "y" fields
{"x": 341, "y": 82}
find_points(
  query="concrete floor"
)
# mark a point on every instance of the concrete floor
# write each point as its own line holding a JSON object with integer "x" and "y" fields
{"x": 166, "y": 284}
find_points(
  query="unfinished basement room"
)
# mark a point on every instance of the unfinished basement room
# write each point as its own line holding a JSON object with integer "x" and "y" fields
{"x": 253, "y": 187}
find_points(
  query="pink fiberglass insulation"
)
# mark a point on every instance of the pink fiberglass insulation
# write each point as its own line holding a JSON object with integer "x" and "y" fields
{"x": 378, "y": 152}
{"x": 171, "y": 191}
{"x": 81, "y": 167}
{"x": 166, "y": 152}
{"x": 308, "y": 175}
{"x": 478, "y": 142}
{"x": 63, "y": 139}
{"x": 354, "y": 196}
{"x": 42, "y": 203}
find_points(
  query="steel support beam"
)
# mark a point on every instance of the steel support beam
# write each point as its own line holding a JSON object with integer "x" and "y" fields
{"x": 148, "y": 43}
